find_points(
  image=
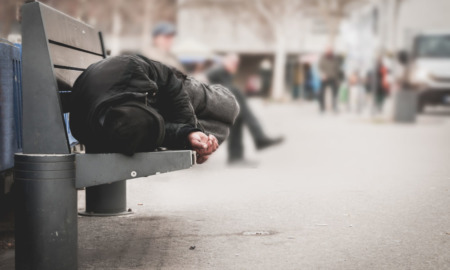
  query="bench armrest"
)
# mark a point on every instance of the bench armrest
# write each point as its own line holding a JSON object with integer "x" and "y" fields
{"x": 97, "y": 169}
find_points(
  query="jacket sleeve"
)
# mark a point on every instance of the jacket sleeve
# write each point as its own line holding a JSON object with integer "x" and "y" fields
{"x": 215, "y": 106}
{"x": 174, "y": 105}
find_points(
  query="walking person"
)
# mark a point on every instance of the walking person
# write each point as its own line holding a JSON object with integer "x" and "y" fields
{"x": 298, "y": 90}
{"x": 265, "y": 72}
{"x": 163, "y": 35}
{"x": 223, "y": 75}
{"x": 308, "y": 81}
{"x": 329, "y": 67}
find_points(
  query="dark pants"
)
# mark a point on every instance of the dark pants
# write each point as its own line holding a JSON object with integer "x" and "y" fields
{"x": 246, "y": 116}
{"x": 334, "y": 89}
{"x": 297, "y": 91}
{"x": 379, "y": 98}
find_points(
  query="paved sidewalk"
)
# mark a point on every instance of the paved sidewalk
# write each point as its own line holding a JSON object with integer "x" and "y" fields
{"x": 341, "y": 193}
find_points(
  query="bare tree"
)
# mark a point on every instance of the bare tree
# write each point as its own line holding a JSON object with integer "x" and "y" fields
{"x": 272, "y": 20}
{"x": 117, "y": 18}
{"x": 333, "y": 11}
{"x": 277, "y": 15}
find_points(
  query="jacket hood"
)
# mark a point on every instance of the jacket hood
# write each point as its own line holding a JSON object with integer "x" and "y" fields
{"x": 108, "y": 83}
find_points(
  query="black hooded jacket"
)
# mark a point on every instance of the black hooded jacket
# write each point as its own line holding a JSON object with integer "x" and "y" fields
{"x": 120, "y": 79}
{"x": 215, "y": 106}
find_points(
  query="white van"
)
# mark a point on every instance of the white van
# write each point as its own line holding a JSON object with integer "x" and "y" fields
{"x": 429, "y": 68}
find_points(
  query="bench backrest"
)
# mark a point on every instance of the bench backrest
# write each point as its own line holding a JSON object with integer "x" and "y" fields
{"x": 56, "y": 50}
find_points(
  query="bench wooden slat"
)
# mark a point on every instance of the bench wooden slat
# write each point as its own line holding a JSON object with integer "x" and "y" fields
{"x": 66, "y": 78}
{"x": 64, "y": 29}
{"x": 66, "y": 57}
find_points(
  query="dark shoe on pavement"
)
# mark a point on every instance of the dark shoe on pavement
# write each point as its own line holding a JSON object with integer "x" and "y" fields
{"x": 267, "y": 142}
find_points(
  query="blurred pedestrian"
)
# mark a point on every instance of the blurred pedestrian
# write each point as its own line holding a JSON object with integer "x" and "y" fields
{"x": 200, "y": 69}
{"x": 298, "y": 90}
{"x": 265, "y": 71}
{"x": 382, "y": 82}
{"x": 253, "y": 85}
{"x": 308, "y": 84}
{"x": 224, "y": 74}
{"x": 163, "y": 35}
{"x": 356, "y": 92}
{"x": 330, "y": 73}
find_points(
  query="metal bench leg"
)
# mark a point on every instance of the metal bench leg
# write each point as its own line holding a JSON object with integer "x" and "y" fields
{"x": 107, "y": 200}
{"x": 46, "y": 212}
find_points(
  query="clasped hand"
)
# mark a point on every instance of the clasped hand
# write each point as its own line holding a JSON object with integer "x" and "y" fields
{"x": 203, "y": 144}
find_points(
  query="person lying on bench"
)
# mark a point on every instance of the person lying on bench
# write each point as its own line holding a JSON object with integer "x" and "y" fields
{"x": 128, "y": 104}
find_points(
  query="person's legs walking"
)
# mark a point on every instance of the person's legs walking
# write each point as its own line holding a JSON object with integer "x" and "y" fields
{"x": 295, "y": 91}
{"x": 379, "y": 95}
{"x": 235, "y": 145}
{"x": 323, "y": 87}
{"x": 334, "y": 88}
{"x": 248, "y": 117}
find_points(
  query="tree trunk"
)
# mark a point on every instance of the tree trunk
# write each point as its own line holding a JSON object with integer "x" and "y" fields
{"x": 396, "y": 6}
{"x": 279, "y": 71}
{"x": 116, "y": 28}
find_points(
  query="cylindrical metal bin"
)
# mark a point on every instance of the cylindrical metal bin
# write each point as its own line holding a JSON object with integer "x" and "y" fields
{"x": 46, "y": 212}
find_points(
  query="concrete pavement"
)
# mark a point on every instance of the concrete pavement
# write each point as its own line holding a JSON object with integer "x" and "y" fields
{"x": 342, "y": 193}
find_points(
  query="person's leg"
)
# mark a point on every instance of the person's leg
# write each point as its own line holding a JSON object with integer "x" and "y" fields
{"x": 334, "y": 89}
{"x": 248, "y": 117}
{"x": 296, "y": 91}
{"x": 309, "y": 93}
{"x": 379, "y": 99}
{"x": 302, "y": 91}
{"x": 323, "y": 87}
{"x": 235, "y": 144}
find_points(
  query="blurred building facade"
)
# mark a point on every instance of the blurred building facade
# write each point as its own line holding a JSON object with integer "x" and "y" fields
{"x": 242, "y": 29}
{"x": 280, "y": 31}
{"x": 387, "y": 26}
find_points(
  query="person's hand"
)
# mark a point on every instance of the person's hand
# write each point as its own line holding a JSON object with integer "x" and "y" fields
{"x": 213, "y": 143}
{"x": 203, "y": 144}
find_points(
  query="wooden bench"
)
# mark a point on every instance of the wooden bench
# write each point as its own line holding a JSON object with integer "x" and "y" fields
{"x": 56, "y": 50}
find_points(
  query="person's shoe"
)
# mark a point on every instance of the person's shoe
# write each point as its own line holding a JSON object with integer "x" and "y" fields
{"x": 267, "y": 142}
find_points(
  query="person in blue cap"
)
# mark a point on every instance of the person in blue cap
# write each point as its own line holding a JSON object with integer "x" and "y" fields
{"x": 163, "y": 36}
